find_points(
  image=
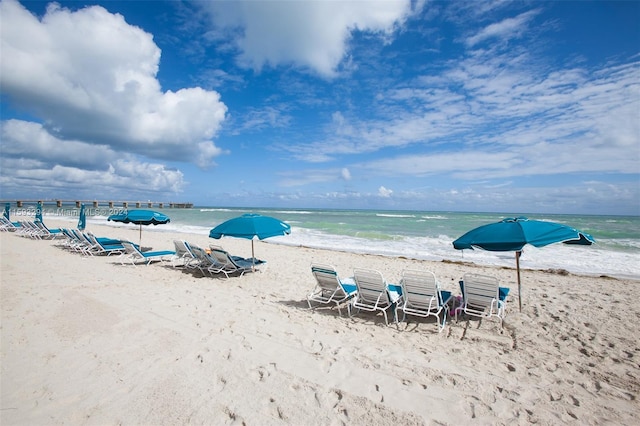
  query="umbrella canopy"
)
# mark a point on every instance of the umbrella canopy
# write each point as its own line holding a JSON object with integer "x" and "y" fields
{"x": 512, "y": 234}
{"x": 140, "y": 217}
{"x": 82, "y": 219}
{"x": 7, "y": 209}
{"x": 250, "y": 226}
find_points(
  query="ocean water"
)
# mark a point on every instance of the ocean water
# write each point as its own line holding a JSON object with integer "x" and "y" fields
{"x": 422, "y": 235}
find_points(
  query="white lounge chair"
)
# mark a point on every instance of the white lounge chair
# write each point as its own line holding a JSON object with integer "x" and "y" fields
{"x": 231, "y": 264}
{"x": 7, "y": 225}
{"x": 184, "y": 255}
{"x": 46, "y": 233}
{"x": 483, "y": 297}
{"x": 103, "y": 245}
{"x": 206, "y": 263}
{"x": 374, "y": 294}
{"x": 29, "y": 229}
{"x": 422, "y": 297}
{"x": 71, "y": 241}
{"x": 330, "y": 289}
{"x": 135, "y": 256}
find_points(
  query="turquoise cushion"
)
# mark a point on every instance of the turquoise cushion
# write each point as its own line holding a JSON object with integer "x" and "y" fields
{"x": 158, "y": 253}
{"x": 445, "y": 296}
{"x": 322, "y": 270}
{"x": 503, "y": 292}
{"x": 396, "y": 288}
{"x": 349, "y": 288}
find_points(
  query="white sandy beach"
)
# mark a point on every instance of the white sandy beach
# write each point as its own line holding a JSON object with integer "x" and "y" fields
{"x": 86, "y": 340}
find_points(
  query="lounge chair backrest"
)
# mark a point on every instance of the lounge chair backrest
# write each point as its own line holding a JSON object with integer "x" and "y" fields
{"x": 130, "y": 249}
{"x": 180, "y": 247}
{"x": 326, "y": 277}
{"x": 199, "y": 253}
{"x": 79, "y": 236}
{"x": 222, "y": 257}
{"x": 371, "y": 286}
{"x": 480, "y": 290}
{"x": 228, "y": 264}
{"x": 420, "y": 289}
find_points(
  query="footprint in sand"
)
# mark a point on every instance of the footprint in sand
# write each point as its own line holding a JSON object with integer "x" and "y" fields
{"x": 330, "y": 399}
{"x": 261, "y": 373}
{"x": 276, "y": 410}
{"x": 378, "y": 395}
{"x": 235, "y": 419}
{"x": 312, "y": 346}
{"x": 220, "y": 384}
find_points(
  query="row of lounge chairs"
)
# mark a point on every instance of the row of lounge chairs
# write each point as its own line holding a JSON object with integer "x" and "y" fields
{"x": 418, "y": 294}
{"x": 212, "y": 261}
{"x": 32, "y": 229}
{"x": 88, "y": 244}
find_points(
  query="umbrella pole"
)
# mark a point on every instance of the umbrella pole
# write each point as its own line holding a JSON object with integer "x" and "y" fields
{"x": 253, "y": 258}
{"x": 518, "y": 253}
{"x": 140, "y": 237}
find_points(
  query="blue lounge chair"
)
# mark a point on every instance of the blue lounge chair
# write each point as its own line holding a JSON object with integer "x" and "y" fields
{"x": 330, "y": 289}
{"x": 135, "y": 256}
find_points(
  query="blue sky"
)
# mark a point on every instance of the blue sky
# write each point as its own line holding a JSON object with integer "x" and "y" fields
{"x": 523, "y": 107}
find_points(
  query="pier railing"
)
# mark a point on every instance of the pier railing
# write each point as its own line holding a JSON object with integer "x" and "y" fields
{"x": 98, "y": 203}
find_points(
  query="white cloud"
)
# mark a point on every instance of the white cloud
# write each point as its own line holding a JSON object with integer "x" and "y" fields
{"x": 505, "y": 29}
{"x": 123, "y": 176}
{"x": 89, "y": 76}
{"x": 269, "y": 117}
{"x": 345, "y": 173}
{"x": 34, "y": 159}
{"x": 384, "y": 192}
{"x": 313, "y": 176}
{"x": 507, "y": 118}
{"x": 311, "y": 34}
{"x": 28, "y": 139}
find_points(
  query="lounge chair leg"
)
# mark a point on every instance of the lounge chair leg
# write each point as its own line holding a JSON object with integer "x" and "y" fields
{"x": 444, "y": 320}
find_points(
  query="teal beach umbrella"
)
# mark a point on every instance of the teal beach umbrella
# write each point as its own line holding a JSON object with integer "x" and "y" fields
{"x": 250, "y": 226}
{"x": 7, "y": 210}
{"x": 140, "y": 217}
{"x": 512, "y": 234}
{"x": 39, "y": 212}
{"x": 82, "y": 219}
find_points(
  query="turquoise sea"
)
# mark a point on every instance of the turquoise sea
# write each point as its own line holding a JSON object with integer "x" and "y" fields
{"x": 420, "y": 235}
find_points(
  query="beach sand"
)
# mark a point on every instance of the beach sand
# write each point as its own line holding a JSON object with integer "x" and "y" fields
{"x": 86, "y": 340}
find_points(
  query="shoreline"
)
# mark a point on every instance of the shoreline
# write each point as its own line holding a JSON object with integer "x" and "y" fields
{"x": 87, "y": 340}
{"x": 70, "y": 222}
